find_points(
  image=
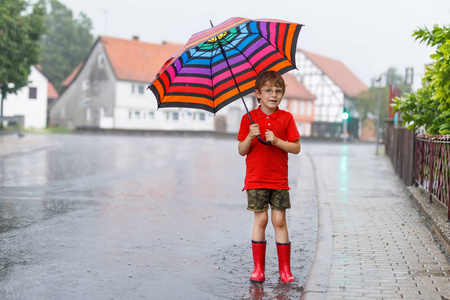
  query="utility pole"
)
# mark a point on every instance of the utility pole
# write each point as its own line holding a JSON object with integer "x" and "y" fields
{"x": 379, "y": 113}
{"x": 1, "y": 106}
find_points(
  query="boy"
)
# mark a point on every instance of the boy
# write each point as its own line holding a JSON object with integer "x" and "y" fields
{"x": 266, "y": 180}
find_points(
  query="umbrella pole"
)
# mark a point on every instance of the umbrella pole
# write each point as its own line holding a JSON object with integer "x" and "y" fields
{"x": 237, "y": 86}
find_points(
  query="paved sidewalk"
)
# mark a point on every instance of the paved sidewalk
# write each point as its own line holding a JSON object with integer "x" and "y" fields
{"x": 381, "y": 247}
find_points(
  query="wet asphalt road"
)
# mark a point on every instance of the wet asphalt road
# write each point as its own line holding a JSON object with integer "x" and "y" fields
{"x": 133, "y": 217}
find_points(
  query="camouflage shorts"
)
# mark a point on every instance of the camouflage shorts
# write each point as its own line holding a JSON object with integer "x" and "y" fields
{"x": 259, "y": 199}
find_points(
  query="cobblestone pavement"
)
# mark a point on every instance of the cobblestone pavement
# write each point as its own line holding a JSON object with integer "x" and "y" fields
{"x": 381, "y": 247}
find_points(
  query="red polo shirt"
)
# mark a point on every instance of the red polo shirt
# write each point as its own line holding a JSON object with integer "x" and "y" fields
{"x": 267, "y": 166}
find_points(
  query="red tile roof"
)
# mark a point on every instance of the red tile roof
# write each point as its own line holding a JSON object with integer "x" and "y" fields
{"x": 51, "y": 91}
{"x": 339, "y": 73}
{"x": 135, "y": 60}
{"x": 71, "y": 76}
{"x": 132, "y": 60}
{"x": 295, "y": 89}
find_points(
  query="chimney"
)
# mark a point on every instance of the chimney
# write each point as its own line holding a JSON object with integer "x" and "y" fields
{"x": 135, "y": 38}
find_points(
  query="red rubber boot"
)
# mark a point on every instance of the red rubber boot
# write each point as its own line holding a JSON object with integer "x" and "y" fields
{"x": 259, "y": 260}
{"x": 284, "y": 262}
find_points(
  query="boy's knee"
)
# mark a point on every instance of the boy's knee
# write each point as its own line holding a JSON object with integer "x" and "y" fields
{"x": 279, "y": 221}
{"x": 261, "y": 219}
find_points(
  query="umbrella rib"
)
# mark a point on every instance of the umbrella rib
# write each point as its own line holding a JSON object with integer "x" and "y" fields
{"x": 268, "y": 42}
{"x": 242, "y": 53}
{"x": 211, "y": 76}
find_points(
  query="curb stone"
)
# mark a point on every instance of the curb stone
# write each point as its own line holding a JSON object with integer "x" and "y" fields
{"x": 435, "y": 214}
{"x": 316, "y": 285}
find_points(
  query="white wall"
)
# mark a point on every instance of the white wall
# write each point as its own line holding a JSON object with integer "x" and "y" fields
{"x": 34, "y": 110}
{"x": 234, "y": 112}
{"x": 330, "y": 98}
{"x": 136, "y": 108}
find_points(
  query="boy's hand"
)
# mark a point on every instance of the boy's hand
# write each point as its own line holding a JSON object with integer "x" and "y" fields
{"x": 271, "y": 137}
{"x": 254, "y": 131}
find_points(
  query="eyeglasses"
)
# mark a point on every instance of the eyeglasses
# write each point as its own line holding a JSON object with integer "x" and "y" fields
{"x": 278, "y": 92}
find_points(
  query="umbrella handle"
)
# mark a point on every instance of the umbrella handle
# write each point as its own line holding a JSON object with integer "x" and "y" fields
{"x": 259, "y": 137}
{"x": 263, "y": 142}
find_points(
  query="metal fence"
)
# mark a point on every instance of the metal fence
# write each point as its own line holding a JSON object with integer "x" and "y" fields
{"x": 432, "y": 170}
{"x": 399, "y": 145}
{"x": 421, "y": 160}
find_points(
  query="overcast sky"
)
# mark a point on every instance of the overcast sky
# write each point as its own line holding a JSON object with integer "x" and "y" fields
{"x": 367, "y": 36}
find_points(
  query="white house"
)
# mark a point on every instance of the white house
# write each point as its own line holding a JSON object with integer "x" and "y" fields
{"x": 30, "y": 102}
{"x": 109, "y": 90}
{"x": 334, "y": 85}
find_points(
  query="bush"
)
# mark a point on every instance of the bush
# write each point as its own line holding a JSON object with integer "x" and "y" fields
{"x": 429, "y": 107}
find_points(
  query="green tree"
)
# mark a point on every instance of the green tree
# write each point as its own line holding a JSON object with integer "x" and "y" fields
{"x": 20, "y": 33}
{"x": 429, "y": 107}
{"x": 367, "y": 104}
{"x": 67, "y": 42}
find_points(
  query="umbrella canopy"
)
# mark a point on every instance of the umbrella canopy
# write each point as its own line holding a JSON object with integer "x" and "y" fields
{"x": 220, "y": 64}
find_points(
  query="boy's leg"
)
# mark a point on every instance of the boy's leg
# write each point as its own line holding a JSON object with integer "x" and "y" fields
{"x": 283, "y": 245}
{"x": 259, "y": 226}
{"x": 258, "y": 202}
{"x": 280, "y": 226}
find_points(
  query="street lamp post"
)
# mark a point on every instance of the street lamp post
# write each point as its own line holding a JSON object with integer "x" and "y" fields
{"x": 378, "y": 113}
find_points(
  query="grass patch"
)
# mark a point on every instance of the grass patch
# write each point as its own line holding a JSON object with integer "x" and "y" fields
{"x": 49, "y": 130}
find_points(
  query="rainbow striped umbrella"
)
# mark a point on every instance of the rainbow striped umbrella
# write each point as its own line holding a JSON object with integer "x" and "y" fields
{"x": 220, "y": 64}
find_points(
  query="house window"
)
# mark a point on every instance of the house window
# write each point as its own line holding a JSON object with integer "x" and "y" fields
{"x": 85, "y": 85}
{"x": 299, "y": 127}
{"x": 151, "y": 115}
{"x": 309, "y": 108}
{"x": 88, "y": 114}
{"x": 137, "y": 114}
{"x": 307, "y": 130}
{"x": 130, "y": 114}
{"x": 302, "y": 107}
{"x": 32, "y": 94}
{"x": 175, "y": 116}
{"x": 294, "y": 106}
{"x": 101, "y": 60}
{"x": 202, "y": 117}
{"x": 137, "y": 88}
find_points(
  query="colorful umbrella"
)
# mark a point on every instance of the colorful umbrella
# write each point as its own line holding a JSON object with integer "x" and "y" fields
{"x": 220, "y": 64}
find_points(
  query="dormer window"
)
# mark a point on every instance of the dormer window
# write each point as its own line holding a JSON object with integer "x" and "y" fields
{"x": 101, "y": 60}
